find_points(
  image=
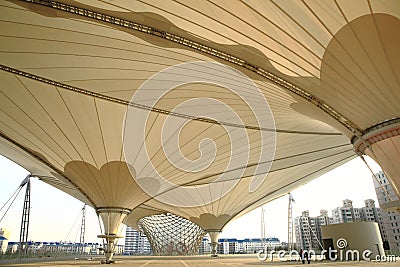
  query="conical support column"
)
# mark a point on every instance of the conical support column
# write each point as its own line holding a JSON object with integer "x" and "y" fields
{"x": 214, "y": 234}
{"x": 112, "y": 218}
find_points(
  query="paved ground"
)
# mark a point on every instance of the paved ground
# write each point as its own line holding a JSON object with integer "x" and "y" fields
{"x": 192, "y": 261}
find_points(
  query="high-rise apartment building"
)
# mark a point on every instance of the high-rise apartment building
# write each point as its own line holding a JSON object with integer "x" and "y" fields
{"x": 346, "y": 213}
{"x": 391, "y": 220}
{"x": 371, "y": 213}
{"x": 136, "y": 243}
{"x": 368, "y": 213}
{"x": 308, "y": 229}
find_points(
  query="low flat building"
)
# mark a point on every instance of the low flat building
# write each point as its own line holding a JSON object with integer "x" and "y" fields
{"x": 62, "y": 248}
{"x": 4, "y": 237}
{"x": 247, "y": 245}
{"x": 3, "y": 244}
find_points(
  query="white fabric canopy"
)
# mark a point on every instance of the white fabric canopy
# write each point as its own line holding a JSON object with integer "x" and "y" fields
{"x": 247, "y": 100}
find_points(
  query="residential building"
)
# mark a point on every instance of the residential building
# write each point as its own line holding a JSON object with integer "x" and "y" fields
{"x": 308, "y": 229}
{"x": 136, "y": 243}
{"x": 205, "y": 246}
{"x": 228, "y": 246}
{"x": 4, "y": 237}
{"x": 391, "y": 220}
{"x": 371, "y": 213}
{"x": 346, "y": 213}
{"x": 247, "y": 245}
{"x": 62, "y": 248}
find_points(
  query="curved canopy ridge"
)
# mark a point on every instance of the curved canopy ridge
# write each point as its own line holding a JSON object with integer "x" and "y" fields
{"x": 41, "y": 169}
{"x": 74, "y": 77}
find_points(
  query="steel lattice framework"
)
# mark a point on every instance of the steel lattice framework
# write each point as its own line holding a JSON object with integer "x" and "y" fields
{"x": 170, "y": 234}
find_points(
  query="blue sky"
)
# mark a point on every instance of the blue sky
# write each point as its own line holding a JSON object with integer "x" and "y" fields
{"x": 55, "y": 216}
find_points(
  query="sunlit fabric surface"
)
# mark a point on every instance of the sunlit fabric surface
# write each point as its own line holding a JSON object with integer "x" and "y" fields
{"x": 325, "y": 70}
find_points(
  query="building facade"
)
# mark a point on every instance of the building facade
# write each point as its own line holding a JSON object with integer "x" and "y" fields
{"x": 346, "y": 213}
{"x": 44, "y": 248}
{"x": 391, "y": 220}
{"x": 4, "y": 237}
{"x": 205, "y": 245}
{"x": 368, "y": 213}
{"x": 247, "y": 245}
{"x": 308, "y": 229}
{"x": 136, "y": 243}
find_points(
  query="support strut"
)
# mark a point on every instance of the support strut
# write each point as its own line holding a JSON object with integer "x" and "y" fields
{"x": 214, "y": 234}
{"x": 23, "y": 236}
{"x": 112, "y": 218}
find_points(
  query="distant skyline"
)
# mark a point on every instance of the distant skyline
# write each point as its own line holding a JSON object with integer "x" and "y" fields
{"x": 351, "y": 180}
{"x": 55, "y": 216}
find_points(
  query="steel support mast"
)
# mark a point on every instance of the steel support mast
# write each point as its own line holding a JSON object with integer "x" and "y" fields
{"x": 263, "y": 237}
{"x": 82, "y": 236}
{"x": 23, "y": 236}
{"x": 290, "y": 222}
